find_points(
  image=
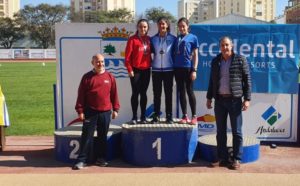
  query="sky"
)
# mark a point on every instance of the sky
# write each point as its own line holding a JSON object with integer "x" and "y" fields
{"x": 142, "y": 5}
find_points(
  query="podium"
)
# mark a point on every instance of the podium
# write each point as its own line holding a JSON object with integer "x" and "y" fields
{"x": 159, "y": 144}
{"x": 67, "y": 143}
{"x": 208, "y": 148}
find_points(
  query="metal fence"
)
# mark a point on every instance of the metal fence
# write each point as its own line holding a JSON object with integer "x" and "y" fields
{"x": 27, "y": 53}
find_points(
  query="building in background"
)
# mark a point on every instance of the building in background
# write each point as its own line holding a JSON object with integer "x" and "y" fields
{"x": 292, "y": 12}
{"x": 85, "y": 6}
{"x": 259, "y": 9}
{"x": 9, "y": 7}
{"x": 280, "y": 19}
{"x": 208, "y": 9}
{"x": 233, "y": 19}
{"x": 189, "y": 10}
{"x": 201, "y": 10}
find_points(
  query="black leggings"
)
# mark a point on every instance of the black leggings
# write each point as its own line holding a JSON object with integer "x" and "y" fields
{"x": 185, "y": 85}
{"x": 139, "y": 86}
{"x": 164, "y": 79}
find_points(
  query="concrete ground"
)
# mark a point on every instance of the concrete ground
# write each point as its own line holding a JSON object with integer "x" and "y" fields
{"x": 34, "y": 156}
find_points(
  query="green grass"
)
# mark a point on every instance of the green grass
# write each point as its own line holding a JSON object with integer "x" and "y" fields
{"x": 28, "y": 90}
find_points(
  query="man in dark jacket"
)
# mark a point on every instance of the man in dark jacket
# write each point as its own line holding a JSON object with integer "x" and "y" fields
{"x": 230, "y": 86}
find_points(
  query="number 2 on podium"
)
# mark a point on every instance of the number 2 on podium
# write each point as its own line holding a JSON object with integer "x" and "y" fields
{"x": 157, "y": 144}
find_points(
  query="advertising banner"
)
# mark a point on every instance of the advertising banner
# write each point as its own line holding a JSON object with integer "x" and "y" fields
{"x": 272, "y": 52}
{"x": 76, "y": 44}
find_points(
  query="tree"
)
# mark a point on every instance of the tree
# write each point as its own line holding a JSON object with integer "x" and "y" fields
{"x": 76, "y": 17}
{"x": 10, "y": 32}
{"x": 40, "y": 21}
{"x": 114, "y": 16}
{"x": 123, "y": 15}
{"x": 109, "y": 49}
{"x": 153, "y": 14}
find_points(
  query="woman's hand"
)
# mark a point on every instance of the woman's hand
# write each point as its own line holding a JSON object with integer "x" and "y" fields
{"x": 131, "y": 74}
{"x": 193, "y": 76}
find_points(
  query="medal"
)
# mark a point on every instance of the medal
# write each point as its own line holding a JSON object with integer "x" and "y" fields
{"x": 180, "y": 39}
{"x": 162, "y": 40}
{"x": 145, "y": 49}
{"x": 145, "y": 45}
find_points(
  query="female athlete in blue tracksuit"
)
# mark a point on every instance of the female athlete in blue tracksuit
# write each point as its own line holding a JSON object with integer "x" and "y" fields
{"x": 162, "y": 68}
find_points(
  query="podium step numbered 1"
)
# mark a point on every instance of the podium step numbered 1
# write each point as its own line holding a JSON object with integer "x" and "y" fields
{"x": 159, "y": 144}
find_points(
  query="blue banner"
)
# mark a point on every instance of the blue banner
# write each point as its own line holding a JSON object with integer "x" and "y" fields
{"x": 272, "y": 52}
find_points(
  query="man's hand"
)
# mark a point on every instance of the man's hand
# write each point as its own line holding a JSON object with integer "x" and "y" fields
{"x": 114, "y": 114}
{"x": 208, "y": 104}
{"x": 245, "y": 105}
{"x": 81, "y": 116}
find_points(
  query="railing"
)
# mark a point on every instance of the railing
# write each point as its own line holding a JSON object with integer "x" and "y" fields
{"x": 27, "y": 53}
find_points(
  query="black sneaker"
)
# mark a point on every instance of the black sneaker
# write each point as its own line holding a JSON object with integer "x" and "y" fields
{"x": 221, "y": 163}
{"x": 169, "y": 121}
{"x": 133, "y": 121}
{"x": 154, "y": 120}
{"x": 79, "y": 165}
{"x": 101, "y": 162}
{"x": 235, "y": 165}
{"x": 143, "y": 120}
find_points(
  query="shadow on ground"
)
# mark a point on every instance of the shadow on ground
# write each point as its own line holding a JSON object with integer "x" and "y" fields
{"x": 30, "y": 158}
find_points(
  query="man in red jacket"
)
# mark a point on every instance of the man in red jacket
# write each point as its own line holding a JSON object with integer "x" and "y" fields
{"x": 97, "y": 101}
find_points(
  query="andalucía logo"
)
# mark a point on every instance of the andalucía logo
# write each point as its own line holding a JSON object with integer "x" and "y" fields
{"x": 271, "y": 116}
{"x": 112, "y": 45}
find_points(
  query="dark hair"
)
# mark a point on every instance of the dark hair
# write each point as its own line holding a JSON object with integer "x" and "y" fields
{"x": 225, "y": 37}
{"x": 142, "y": 20}
{"x": 165, "y": 20}
{"x": 183, "y": 19}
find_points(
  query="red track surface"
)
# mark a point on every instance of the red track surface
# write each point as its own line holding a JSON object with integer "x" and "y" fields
{"x": 36, "y": 155}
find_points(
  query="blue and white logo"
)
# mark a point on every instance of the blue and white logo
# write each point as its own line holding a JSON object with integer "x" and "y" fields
{"x": 271, "y": 115}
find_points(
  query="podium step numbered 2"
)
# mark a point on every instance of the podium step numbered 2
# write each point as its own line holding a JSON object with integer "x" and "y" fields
{"x": 67, "y": 143}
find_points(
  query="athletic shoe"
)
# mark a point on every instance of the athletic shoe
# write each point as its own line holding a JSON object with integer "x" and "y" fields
{"x": 184, "y": 120}
{"x": 235, "y": 165}
{"x": 143, "y": 121}
{"x": 133, "y": 121}
{"x": 79, "y": 165}
{"x": 221, "y": 163}
{"x": 154, "y": 120}
{"x": 169, "y": 120}
{"x": 101, "y": 162}
{"x": 194, "y": 121}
